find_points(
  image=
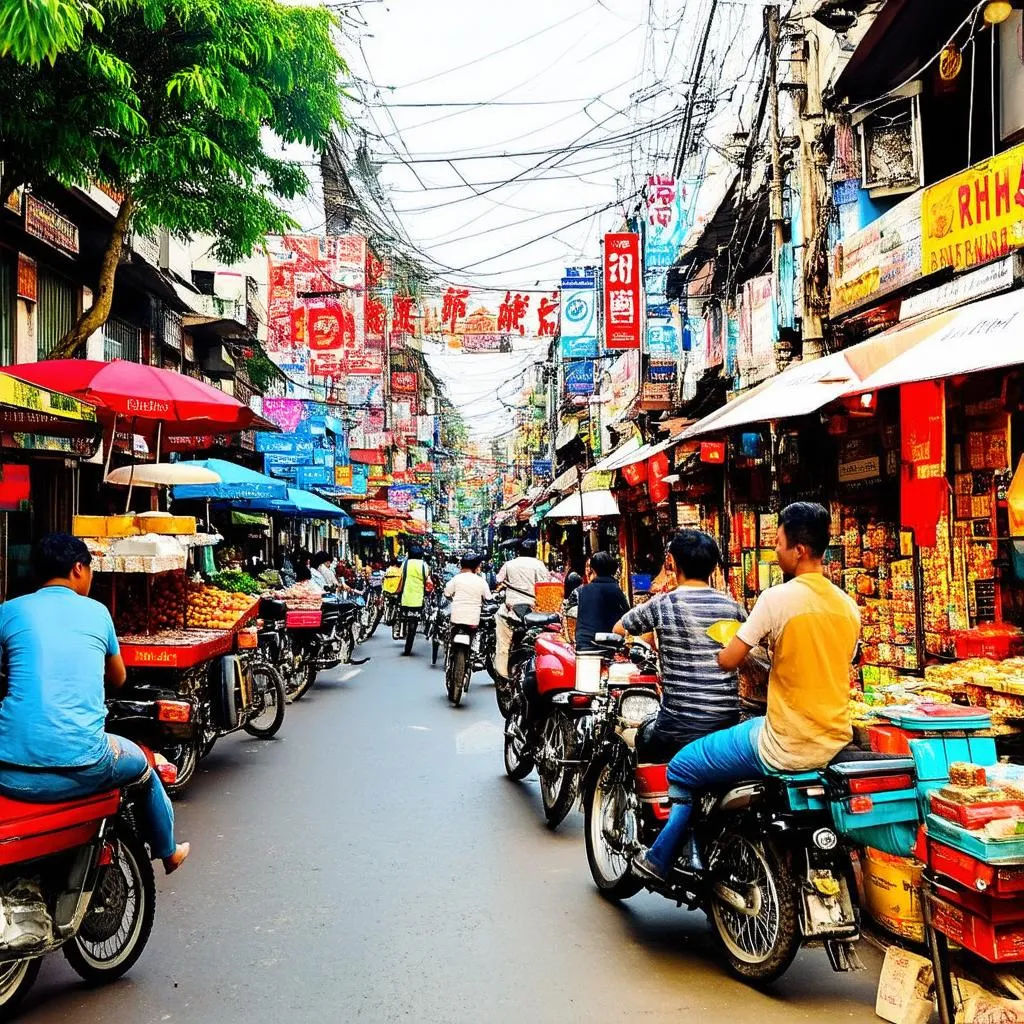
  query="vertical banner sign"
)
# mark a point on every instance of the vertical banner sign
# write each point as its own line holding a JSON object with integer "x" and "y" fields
{"x": 578, "y": 314}
{"x": 622, "y": 291}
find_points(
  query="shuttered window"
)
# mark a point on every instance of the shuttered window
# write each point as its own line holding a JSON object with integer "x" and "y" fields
{"x": 8, "y": 307}
{"x": 55, "y": 311}
{"x": 122, "y": 340}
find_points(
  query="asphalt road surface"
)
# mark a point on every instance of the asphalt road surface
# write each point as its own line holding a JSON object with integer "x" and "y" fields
{"x": 373, "y": 863}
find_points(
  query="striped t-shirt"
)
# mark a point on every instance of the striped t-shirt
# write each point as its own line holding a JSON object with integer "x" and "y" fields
{"x": 698, "y": 697}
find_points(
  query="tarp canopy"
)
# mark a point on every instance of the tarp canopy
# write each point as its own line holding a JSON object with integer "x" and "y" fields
{"x": 236, "y": 482}
{"x": 595, "y": 505}
{"x": 299, "y": 504}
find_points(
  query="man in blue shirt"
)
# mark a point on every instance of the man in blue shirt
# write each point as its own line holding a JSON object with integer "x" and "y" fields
{"x": 601, "y": 602}
{"x": 59, "y": 648}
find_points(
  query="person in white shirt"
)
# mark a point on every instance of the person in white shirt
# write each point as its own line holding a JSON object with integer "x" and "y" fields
{"x": 468, "y": 590}
{"x": 519, "y": 578}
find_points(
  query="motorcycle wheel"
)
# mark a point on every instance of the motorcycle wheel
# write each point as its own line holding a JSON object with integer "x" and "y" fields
{"x": 108, "y": 944}
{"x": 455, "y": 673}
{"x": 306, "y": 676}
{"x": 184, "y": 757}
{"x": 269, "y": 686}
{"x": 505, "y": 690}
{"x": 409, "y": 634}
{"x": 397, "y": 627}
{"x": 761, "y": 946}
{"x": 558, "y": 786}
{"x": 608, "y": 867}
{"x": 491, "y": 670}
{"x": 518, "y": 758}
{"x": 347, "y": 643}
{"x": 15, "y": 980}
{"x": 435, "y": 649}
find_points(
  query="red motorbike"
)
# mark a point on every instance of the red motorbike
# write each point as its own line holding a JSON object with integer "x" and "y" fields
{"x": 74, "y": 876}
{"x": 550, "y": 724}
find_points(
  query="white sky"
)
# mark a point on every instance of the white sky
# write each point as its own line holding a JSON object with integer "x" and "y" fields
{"x": 590, "y": 73}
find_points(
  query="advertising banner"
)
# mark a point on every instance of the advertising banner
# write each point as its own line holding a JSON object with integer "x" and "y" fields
{"x": 622, "y": 301}
{"x": 403, "y": 382}
{"x": 976, "y": 216}
{"x": 579, "y": 377}
{"x": 578, "y": 315}
{"x": 402, "y": 496}
{"x": 669, "y": 212}
{"x": 756, "y": 356}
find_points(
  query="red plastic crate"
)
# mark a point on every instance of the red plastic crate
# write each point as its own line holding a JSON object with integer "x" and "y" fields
{"x": 988, "y": 642}
{"x": 1008, "y": 911}
{"x": 890, "y": 739}
{"x": 994, "y": 942}
{"x": 303, "y": 619}
{"x": 975, "y": 816}
{"x": 974, "y": 874}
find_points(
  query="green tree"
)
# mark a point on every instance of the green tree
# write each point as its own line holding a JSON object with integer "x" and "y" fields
{"x": 33, "y": 31}
{"x": 174, "y": 104}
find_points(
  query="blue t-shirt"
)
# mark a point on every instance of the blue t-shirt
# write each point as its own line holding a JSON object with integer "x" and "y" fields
{"x": 55, "y": 645}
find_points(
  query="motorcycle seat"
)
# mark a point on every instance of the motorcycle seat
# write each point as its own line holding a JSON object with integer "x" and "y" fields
{"x": 537, "y": 620}
{"x": 29, "y": 830}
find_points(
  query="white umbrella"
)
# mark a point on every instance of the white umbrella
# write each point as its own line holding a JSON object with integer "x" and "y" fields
{"x": 161, "y": 474}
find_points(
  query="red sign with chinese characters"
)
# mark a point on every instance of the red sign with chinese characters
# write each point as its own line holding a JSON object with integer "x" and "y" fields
{"x": 28, "y": 278}
{"x": 622, "y": 323}
{"x": 403, "y": 382}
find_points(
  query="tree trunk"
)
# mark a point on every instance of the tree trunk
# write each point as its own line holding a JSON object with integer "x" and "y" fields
{"x": 96, "y": 315}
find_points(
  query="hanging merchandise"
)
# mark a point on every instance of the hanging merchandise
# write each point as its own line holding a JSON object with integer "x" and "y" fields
{"x": 657, "y": 470}
{"x": 923, "y": 488}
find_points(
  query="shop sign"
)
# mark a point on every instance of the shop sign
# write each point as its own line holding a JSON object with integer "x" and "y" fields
{"x": 17, "y": 393}
{"x": 579, "y": 377}
{"x": 976, "y": 216}
{"x": 578, "y": 316}
{"x": 49, "y": 224}
{"x": 14, "y": 488}
{"x": 995, "y": 277}
{"x": 542, "y": 467}
{"x": 860, "y": 469}
{"x": 598, "y": 481}
{"x": 656, "y": 392}
{"x": 403, "y": 382}
{"x": 28, "y": 278}
{"x": 622, "y": 323}
{"x": 485, "y": 343}
{"x": 758, "y": 329}
{"x": 308, "y": 477}
{"x": 14, "y": 200}
{"x": 879, "y": 259}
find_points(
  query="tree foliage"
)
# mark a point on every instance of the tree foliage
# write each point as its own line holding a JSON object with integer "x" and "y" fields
{"x": 175, "y": 104}
{"x": 33, "y": 31}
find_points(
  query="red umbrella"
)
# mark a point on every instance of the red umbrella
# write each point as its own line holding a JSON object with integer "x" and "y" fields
{"x": 133, "y": 391}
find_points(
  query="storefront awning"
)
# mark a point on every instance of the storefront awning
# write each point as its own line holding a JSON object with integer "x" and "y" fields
{"x": 624, "y": 451}
{"x": 595, "y": 505}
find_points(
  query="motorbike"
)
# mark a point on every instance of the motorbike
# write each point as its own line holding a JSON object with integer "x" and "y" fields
{"x": 526, "y": 627}
{"x": 182, "y": 714}
{"x": 550, "y": 722}
{"x": 74, "y": 876}
{"x": 768, "y": 860}
{"x": 302, "y": 651}
{"x": 437, "y": 629}
{"x": 371, "y": 612}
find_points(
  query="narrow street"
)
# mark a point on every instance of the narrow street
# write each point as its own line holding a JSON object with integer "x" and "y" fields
{"x": 374, "y": 864}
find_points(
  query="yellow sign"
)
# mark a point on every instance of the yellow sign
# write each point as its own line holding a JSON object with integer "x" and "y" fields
{"x": 27, "y": 396}
{"x": 951, "y": 62}
{"x": 343, "y": 476}
{"x": 976, "y": 216}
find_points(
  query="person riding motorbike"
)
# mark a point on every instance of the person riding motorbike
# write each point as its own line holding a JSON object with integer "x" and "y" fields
{"x": 518, "y": 578}
{"x": 600, "y": 602}
{"x": 812, "y": 628}
{"x": 412, "y": 593}
{"x": 59, "y": 647}
{"x": 468, "y": 590}
{"x": 698, "y": 697}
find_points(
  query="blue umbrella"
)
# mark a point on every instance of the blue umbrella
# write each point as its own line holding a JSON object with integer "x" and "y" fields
{"x": 300, "y": 504}
{"x": 237, "y": 484}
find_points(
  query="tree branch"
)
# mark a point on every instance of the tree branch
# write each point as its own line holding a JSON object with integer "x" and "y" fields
{"x": 96, "y": 315}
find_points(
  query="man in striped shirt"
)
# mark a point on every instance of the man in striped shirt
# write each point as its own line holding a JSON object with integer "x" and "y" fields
{"x": 698, "y": 697}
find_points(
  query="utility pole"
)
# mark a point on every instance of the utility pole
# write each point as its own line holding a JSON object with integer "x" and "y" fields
{"x": 775, "y": 207}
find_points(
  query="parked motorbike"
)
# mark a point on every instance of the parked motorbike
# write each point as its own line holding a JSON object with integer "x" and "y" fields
{"x": 768, "y": 862}
{"x": 526, "y": 627}
{"x": 371, "y": 612}
{"x": 182, "y": 714}
{"x": 550, "y": 720}
{"x": 306, "y": 651}
{"x": 437, "y": 629}
{"x": 74, "y": 876}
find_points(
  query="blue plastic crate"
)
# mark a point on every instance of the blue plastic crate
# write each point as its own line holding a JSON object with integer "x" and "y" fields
{"x": 943, "y": 718}
{"x": 989, "y": 851}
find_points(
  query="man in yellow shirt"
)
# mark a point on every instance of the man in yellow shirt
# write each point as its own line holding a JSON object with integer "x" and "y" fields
{"x": 812, "y": 629}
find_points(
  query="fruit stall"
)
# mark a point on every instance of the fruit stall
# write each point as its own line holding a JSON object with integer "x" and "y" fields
{"x": 164, "y": 618}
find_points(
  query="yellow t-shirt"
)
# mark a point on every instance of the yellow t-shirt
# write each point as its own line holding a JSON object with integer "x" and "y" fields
{"x": 812, "y": 628}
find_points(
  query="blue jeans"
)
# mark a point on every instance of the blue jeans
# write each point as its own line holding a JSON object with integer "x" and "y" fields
{"x": 124, "y": 763}
{"x": 729, "y": 755}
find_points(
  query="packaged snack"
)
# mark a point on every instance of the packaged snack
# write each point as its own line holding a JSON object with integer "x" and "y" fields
{"x": 966, "y": 774}
{"x": 1004, "y": 828}
{"x": 971, "y": 794}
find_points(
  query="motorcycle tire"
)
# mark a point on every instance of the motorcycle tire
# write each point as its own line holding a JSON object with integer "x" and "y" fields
{"x": 518, "y": 757}
{"x": 89, "y": 952}
{"x": 741, "y": 855}
{"x": 435, "y": 649}
{"x": 16, "y": 978}
{"x": 613, "y": 877}
{"x": 184, "y": 757}
{"x": 410, "y": 634}
{"x": 504, "y": 692}
{"x": 398, "y": 628}
{"x": 491, "y": 670}
{"x": 270, "y": 686}
{"x": 347, "y": 643}
{"x": 307, "y": 677}
{"x": 558, "y": 788}
{"x": 455, "y": 672}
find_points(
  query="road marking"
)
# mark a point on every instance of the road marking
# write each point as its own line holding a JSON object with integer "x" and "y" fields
{"x": 420, "y": 728}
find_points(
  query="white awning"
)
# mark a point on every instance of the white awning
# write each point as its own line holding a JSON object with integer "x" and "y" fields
{"x": 595, "y": 505}
{"x": 627, "y": 448}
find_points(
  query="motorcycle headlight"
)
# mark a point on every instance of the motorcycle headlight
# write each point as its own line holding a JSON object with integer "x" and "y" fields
{"x": 638, "y": 707}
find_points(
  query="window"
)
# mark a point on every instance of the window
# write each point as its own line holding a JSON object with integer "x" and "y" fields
{"x": 55, "y": 310}
{"x": 8, "y": 306}
{"x": 121, "y": 340}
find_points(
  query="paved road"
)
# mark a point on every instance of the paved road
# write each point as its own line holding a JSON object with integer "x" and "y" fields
{"x": 374, "y": 864}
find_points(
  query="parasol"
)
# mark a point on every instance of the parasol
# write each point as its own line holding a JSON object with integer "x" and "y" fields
{"x": 234, "y": 483}
{"x": 162, "y": 474}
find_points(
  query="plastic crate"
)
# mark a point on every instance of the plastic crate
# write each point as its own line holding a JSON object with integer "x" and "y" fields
{"x": 999, "y": 882}
{"x": 990, "y": 851}
{"x": 975, "y": 816}
{"x": 936, "y": 717}
{"x": 890, "y": 739}
{"x": 987, "y": 642}
{"x": 303, "y": 619}
{"x": 1001, "y": 942}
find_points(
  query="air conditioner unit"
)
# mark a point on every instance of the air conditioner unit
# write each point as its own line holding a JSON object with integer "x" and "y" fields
{"x": 891, "y": 153}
